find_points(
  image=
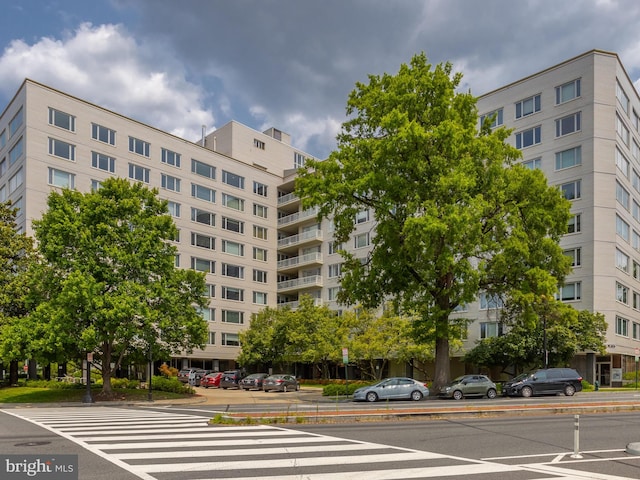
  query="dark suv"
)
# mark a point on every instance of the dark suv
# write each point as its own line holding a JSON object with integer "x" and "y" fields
{"x": 550, "y": 381}
{"x": 231, "y": 379}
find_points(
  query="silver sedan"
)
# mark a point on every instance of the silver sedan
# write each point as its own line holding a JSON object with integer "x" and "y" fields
{"x": 393, "y": 388}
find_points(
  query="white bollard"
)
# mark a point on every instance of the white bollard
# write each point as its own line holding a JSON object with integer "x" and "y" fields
{"x": 576, "y": 437}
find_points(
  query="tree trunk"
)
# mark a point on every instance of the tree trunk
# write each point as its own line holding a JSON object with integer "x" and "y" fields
{"x": 443, "y": 367}
{"x": 13, "y": 372}
{"x": 106, "y": 370}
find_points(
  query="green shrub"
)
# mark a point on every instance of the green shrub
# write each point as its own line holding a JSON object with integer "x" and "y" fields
{"x": 587, "y": 387}
{"x": 53, "y": 384}
{"x": 171, "y": 384}
{"x": 124, "y": 383}
{"x": 342, "y": 388}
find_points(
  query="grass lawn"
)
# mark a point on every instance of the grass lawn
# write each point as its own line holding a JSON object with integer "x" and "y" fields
{"x": 55, "y": 395}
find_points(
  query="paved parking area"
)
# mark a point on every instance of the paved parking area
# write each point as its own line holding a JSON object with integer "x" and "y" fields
{"x": 219, "y": 396}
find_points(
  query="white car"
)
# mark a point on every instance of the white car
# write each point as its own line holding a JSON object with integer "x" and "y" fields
{"x": 393, "y": 388}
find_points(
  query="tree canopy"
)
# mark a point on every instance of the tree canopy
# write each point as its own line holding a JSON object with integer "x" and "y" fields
{"x": 17, "y": 257}
{"x": 455, "y": 214}
{"x": 112, "y": 285}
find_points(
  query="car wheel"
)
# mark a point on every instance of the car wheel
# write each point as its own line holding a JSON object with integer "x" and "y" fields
{"x": 569, "y": 390}
{"x": 298, "y": 388}
{"x": 285, "y": 389}
{"x": 457, "y": 395}
{"x": 491, "y": 393}
{"x": 224, "y": 388}
{"x": 526, "y": 392}
{"x": 372, "y": 397}
{"x": 416, "y": 396}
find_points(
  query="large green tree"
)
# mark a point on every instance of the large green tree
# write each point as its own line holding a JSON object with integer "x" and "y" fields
{"x": 113, "y": 288}
{"x": 17, "y": 257}
{"x": 454, "y": 214}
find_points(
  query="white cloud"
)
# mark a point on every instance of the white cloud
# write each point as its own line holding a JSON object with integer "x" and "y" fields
{"x": 105, "y": 65}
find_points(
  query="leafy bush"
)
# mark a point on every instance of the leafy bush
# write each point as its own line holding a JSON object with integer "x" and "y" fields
{"x": 53, "y": 384}
{"x": 124, "y": 383}
{"x": 587, "y": 387}
{"x": 168, "y": 371}
{"x": 171, "y": 384}
{"x": 342, "y": 388}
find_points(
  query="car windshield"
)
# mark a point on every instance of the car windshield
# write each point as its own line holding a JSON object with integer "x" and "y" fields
{"x": 522, "y": 376}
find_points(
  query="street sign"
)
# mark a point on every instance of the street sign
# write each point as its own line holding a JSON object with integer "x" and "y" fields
{"x": 345, "y": 355}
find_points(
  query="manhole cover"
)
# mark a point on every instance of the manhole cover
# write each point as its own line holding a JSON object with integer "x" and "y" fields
{"x": 31, "y": 444}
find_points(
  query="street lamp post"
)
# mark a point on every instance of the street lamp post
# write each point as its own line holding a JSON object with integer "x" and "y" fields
{"x": 88, "y": 398}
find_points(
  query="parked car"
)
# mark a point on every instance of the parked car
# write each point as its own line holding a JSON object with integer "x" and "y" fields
{"x": 391, "y": 389}
{"x": 469, "y": 386}
{"x": 550, "y": 381}
{"x": 183, "y": 375}
{"x": 231, "y": 379}
{"x": 211, "y": 380}
{"x": 280, "y": 383}
{"x": 200, "y": 374}
{"x": 253, "y": 381}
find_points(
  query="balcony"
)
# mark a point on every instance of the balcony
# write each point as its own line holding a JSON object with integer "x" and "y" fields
{"x": 298, "y": 216}
{"x": 296, "y": 262}
{"x": 287, "y": 199}
{"x": 300, "y": 283}
{"x": 295, "y": 305}
{"x": 299, "y": 239}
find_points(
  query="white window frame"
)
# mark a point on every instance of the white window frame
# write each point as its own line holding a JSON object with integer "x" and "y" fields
{"x": 569, "y": 124}
{"x": 523, "y": 137}
{"x": 103, "y": 134}
{"x": 139, "y": 147}
{"x": 61, "y": 149}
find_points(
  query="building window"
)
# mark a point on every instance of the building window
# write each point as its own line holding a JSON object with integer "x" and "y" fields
{"x": 232, "y": 179}
{"x": 170, "y": 183}
{"x": 622, "y": 228}
{"x": 362, "y": 217}
{"x": 622, "y": 98}
{"x": 622, "y": 293}
{"x": 232, "y": 293}
{"x": 260, "y": 298}
{"x": 260, "y": 189}
{"x": 3, "y": 193}
{"x": 203, "y": 241}
{"x": 16, "y": 181}
{"x": 58, "y": 178}
{"x": 3, "y": 138}
{"x": 61, "y": 149}
{"x": 635, "y": 240}
{"x": 202, "y": 216}
{"x": 571, "y": 190}
{"x": 335, "y": 247}
{"x": 16, "y": 122}
{"x": 203, "y": 193}
{"x": 95, "y": 185}
{"x": 230, "y": 339}
{"x": 103, "y": 162}
{"x": 570, "y": 292}
{"x": 203, "y": 169}
{"x": 636, "y": 270}
{"x": 203, "y": 265}
{"x": 212, "y": 338}
{"x": 232, "y": 201}
{"x": 490, "y": 329}
{"x": 233, "y": 316}
{"x": 528, "y": 137}
{"x": 334, "y": 270}
{"x": 528, "y": 106}
{"x": 298, "y": 160}
{"x": 332, "y": 294}
{"x": 622, "y": 196}
{"x": 623, "y": 165}
{"x": 635, "y": 210}
{"x": 574, "y": 225}
{"x": 18, "y": 205}
{"x": 210, "y": 290}
{"x": 623, "y": 131}
{"x": 568, "y": 91}
{"x": 622, "y": 326}
{"x": 258, "y": 144}
{"x": 575, "y": 254}
{"x": 171, "y": 158}
{"x": 260, "y": 254}
{"x": 235, "y": 271}
{"x": 207, "y": 314}
{"x": 569, "y": 158}
{"x": 62, "y": 120}
{"x": 232, "y": 225}
{"x": 490, "y": 302}
{"x": 174, "y": 209}
{"x": 259, "y": 276}
{"x": 361, "y": 240}
{"x": 622, "y": 261}
{"x": 103, "y": 134}
{"x": 259, "y": 210}
{"x": 259, "y": 232}
{"x": 568, "y": 124}
{"x": 635, "y": 150}
{"x": 636, "y": 306}
{"x": 636, "y": 330}
{"x": 16, "y": 152}
{"x": 139, "y": 146}
{"x": 233, "y": 248}
{"x": 141, "y": 174}
{"x": 496, "y": 118}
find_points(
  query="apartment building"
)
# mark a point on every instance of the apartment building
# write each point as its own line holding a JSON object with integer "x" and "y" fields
{"x": 232, "y": 198}
{"x": 578, "y": 121}
{"x": 222, "y": 193}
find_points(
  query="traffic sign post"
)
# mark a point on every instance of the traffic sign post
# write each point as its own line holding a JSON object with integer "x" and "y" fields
{"x": 637, "y": 352}
{"x": 345, "y": 360}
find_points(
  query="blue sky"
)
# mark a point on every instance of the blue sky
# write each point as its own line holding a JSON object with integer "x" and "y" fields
{"x": 290, "y": 64}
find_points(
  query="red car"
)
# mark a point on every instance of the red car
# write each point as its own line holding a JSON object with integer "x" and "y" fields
{"x": 211, "y": 380}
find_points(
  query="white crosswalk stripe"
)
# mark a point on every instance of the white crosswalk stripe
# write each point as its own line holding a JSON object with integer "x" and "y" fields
{"x": 167, "y": 445}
